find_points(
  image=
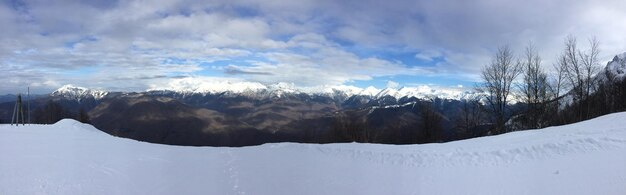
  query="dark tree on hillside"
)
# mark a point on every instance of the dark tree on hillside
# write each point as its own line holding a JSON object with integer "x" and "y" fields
{"x": 83, "y": 117}
{"x": 534, "y": 89}
{"x": 558, "y": 88}
{"x": 471, "y": 114}
{"x": 50, "y": 113}
{"x": 431, "y": 123}
{"x": 610, "y": 95}
{"x": 349, "y": 127}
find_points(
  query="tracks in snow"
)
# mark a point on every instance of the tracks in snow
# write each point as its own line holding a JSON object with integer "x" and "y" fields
{"x": 232, "y": 172}
{"x": 456, "y": 156}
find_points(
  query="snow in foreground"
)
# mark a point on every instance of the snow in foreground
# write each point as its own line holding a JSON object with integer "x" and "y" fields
{"x": 73, "y": 158}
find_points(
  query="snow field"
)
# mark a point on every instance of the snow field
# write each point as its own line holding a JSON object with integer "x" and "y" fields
{"x": 73, "y": 158}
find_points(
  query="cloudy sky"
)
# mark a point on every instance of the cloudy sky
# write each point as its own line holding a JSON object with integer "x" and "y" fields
{"x": 137, "y": 45}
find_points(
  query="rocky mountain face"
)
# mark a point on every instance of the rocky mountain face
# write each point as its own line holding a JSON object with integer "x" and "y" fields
{"x": 614, "y": 71}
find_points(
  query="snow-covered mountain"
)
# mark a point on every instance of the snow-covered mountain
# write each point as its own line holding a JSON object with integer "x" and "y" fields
{"x": 426, "y": 92}
{"x": 616, "y": 69}
{"x": 74, "y": 158}
{"x": 78, "y": 93}
{"x": 611, "y": 74}
{"x": 277, "y": 90}
{"x": 259, "y": 90}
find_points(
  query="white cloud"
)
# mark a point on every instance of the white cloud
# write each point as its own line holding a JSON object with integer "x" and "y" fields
{"x": 305, "y": 42}
{"x": 428, "y": 55}
{"x": 324, "y": 63}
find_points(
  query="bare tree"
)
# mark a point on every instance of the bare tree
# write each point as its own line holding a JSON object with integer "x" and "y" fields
{"x": 559, "y": 82}
{"x": 591, "y": 66}
{"x": 581, "y": 66}
{"x": 534, "y": 88}
{"x": 557, "y": 87}
{"x": 470, "y": 117}
{"x": 498, "y": 78}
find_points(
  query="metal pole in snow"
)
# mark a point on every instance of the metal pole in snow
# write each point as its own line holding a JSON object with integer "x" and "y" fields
{"x": 14, "y": 110}
{"x": 29, "y": 105}
{"x": 22, "y": 112}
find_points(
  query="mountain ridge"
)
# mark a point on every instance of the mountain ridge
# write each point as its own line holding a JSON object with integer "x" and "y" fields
{"x": 281, "y": 90}
{"x": 78, "y": 93}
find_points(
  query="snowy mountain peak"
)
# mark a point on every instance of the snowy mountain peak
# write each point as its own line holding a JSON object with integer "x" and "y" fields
{"x": 621, "y": 56}
{"x": 618, "y": 66}
{"x": 283, "y": 86}
{"x": 369, "y": 91}
{"x": 69, "y": 87}
{"x": 331, "y": 91}
{"x": 388, "y": 92}
{"x": 615, "y": 69}
{"x": 281, "y": 89}
{"x": 78, "y": 93}
{"x": 427, "y": 92}
{"x": 209, "y": 86}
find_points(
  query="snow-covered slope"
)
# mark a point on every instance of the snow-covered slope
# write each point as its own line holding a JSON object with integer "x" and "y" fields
{"x": 73, "y": 158}
{"x": 78, "y": 93}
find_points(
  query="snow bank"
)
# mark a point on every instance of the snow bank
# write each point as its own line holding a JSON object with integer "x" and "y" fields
{"x": 73, "y": 158}
{"x": 71, "y": 124}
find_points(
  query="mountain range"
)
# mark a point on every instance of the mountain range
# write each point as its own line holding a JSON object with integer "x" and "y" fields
{"x": 249, "y": 113}
{"x": 227, "y": 113}
{"x": 192, "y": 86}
